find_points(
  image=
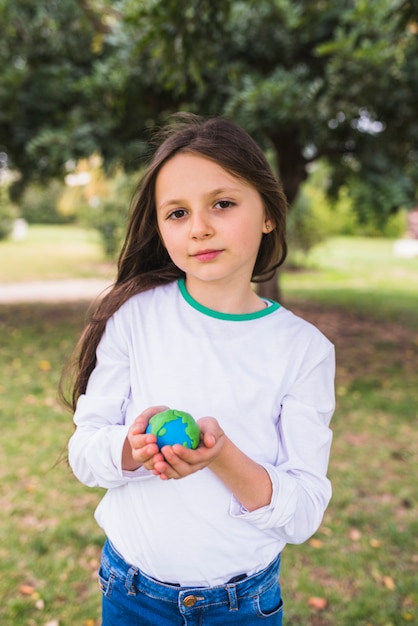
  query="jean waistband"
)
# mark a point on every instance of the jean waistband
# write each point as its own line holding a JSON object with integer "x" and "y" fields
{"x": 136, "y": 580}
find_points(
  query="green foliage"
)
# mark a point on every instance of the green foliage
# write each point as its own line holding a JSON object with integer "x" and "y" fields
{"x": 39, "y": 204}
{"x": 396, "y": 225}
{"x": 46, "y": 53}
{"x": 347, "y": 222}
{"x": 310, "y": 222}
{"x": 310, "y": 80}
{"x": 108, "y": 212}
{"x": 109, "y": 219}
{"x": 314, "y": 218}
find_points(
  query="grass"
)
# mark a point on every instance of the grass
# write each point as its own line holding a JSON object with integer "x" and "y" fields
{"x": 361, "y": 274}
{"x": 53, "y": 252}
{"x": 362, "y": 562}
{"x": 49, "y": 545}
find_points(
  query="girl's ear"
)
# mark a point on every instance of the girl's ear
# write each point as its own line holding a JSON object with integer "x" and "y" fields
{"x": 268, "y": 226}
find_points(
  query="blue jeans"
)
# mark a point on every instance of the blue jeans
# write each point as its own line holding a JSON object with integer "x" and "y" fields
{"x": 131, "y": 598}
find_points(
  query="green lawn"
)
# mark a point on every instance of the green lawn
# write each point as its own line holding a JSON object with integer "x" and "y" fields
{"x": 361, "y": 274}
{"x": 53, "y": 252}
{"x": 361, "y": 565}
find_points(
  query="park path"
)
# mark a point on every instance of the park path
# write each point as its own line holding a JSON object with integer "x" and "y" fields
{"x": 52, "y": 290}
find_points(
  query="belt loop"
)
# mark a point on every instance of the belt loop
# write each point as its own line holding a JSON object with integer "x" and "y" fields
{"x": 232, "y": 597}
{"x": 129, "y": 582}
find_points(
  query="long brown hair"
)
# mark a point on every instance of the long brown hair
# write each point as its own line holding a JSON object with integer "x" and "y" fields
{"x": 144, "y": 262}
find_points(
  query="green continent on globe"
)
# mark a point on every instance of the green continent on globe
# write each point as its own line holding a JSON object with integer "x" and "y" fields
{"x": 187, "y": 435}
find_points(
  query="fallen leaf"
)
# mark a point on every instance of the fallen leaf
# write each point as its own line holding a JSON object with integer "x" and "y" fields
{"x": 45, "y": 366}
{"x": 26, "y": 590}
{"x": 354, "y": 534}
{"x": 316, "y": 603}
{"x": 89, "y": 622}
{"x": 53, "y": 622}
{"x": 375, "y": 543}
{"x": 389, "y": 583}
{"x": 40, "y": 604}
{"x": 315, "y": 543}
{"x": 408, "y": 617}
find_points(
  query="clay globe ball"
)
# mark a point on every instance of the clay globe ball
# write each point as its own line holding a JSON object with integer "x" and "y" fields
{"x": 173, "y": 426}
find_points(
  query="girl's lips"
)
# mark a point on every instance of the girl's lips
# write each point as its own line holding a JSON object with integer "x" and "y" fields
{"x": 206, "y": 255}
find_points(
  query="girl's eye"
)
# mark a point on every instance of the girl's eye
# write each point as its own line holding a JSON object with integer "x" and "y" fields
{"x": 177, "y": 214}
{"x": 224, "y": 204}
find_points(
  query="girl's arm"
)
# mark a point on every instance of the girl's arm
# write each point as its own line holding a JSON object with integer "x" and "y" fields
{"x": 288, "y": 498}
{"x": 247, "y": 480}
{"x": 96, "y": 449}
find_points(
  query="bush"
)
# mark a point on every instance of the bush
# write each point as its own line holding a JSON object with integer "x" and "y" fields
{"x": 310, "y": 222}
{"x": 40, "y": 204}
{"x": 367, "y": 223}
{"x": 109, "y": 216}
{"x": 396, "y": 225}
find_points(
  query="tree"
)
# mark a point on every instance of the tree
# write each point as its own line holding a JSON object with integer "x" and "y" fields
{"x": 310, "y": 80}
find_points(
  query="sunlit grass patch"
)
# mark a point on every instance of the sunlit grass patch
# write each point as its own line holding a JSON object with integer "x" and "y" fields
{"x": 53, "y": 252}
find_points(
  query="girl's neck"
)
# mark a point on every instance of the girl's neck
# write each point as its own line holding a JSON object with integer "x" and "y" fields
{"x": 225, "y": 298}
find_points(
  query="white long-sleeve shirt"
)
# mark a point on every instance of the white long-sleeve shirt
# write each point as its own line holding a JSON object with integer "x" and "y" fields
{"x": 267, "y": 377}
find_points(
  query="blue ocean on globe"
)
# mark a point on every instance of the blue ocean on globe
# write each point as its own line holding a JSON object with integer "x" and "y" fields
{"x": 173, "y": 432}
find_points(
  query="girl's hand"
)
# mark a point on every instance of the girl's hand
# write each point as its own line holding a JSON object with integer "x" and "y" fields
{"x": 178, "y": 461}
{"x": 140, "y": 448}
{"x": 246, "y": 479}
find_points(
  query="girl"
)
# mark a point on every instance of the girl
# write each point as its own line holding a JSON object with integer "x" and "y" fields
{"x": 195, "y": 536}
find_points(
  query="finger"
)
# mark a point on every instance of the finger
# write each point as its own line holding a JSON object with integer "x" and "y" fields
{"x": 141, "y": 422}
{"x": 172, "y": 465}
{"x": 210, "y": 430}
{"x": 151, "y": 411}
{"x": 145, "y": 454}
{"x": 181, "y": 461}
{"x": 165, "y": 471}
{"x": 209, "y": 440}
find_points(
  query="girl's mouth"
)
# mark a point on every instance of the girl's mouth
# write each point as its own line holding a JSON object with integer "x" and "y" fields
{"x": 206, "y": 255}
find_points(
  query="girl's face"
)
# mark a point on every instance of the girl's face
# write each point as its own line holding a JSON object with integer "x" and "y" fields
{"x": 210, "y": 222}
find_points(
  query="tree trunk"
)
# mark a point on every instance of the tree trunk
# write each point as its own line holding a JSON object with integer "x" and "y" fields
{"x": 292, "y": 171}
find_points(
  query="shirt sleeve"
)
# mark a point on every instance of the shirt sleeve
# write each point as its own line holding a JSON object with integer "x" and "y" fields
{"x": 95, "y": 449}
{"x": 301, "y": 489}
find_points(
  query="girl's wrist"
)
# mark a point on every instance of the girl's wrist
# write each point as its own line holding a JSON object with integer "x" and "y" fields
{"x": 128, "y": 462}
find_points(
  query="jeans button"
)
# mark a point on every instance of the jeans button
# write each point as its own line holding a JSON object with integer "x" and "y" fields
{"x": 189, "y": 600}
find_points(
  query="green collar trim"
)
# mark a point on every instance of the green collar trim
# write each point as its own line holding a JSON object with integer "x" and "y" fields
{"x": 231, "y": 317}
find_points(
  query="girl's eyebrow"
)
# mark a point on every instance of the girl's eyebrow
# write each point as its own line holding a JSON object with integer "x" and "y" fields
{"x": 210, "y": 194}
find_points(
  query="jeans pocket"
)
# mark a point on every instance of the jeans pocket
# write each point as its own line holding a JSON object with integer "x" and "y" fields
{"x": 106, "y": 578}
{"x": 269, "y": 601}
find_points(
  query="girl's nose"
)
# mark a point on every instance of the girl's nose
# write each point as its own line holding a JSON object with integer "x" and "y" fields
{"x": 201, "y": 227}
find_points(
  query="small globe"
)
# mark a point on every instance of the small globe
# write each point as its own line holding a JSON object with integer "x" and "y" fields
{"x": 174, "y": 426}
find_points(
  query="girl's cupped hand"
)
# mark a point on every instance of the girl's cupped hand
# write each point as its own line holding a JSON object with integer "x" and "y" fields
{"x": 178, "y": 461}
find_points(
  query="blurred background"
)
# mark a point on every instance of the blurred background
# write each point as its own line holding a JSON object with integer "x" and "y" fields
{"x": 330, "y": 91}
